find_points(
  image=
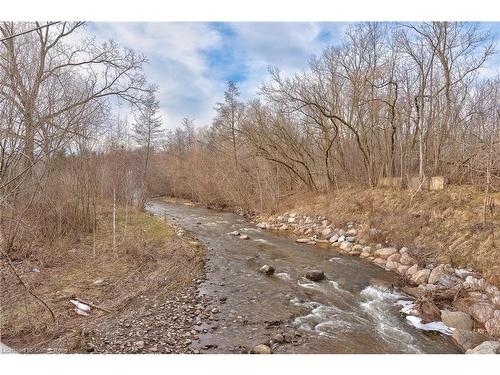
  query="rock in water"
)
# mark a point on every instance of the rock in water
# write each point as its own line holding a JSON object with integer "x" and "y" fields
{"x": 315, "y": 275}
{"x": 261, "y": 349}
{"x": 267, "y": 270}
{"x": 243, "y": 237}
{"x": 487, "y": 347}
{"x": 457, "y": 319}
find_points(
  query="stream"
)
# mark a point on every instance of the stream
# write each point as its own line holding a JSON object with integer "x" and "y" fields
{"x": 352, "y": 311}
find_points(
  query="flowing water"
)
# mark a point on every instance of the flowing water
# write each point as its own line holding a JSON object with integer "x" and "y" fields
{"x": 351, "y": 311}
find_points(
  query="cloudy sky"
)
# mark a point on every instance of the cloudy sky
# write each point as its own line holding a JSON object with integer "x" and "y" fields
{"x": 192, "y": 62}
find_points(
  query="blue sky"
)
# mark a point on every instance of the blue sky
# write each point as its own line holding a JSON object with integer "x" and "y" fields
{"x": 191, "y": 62}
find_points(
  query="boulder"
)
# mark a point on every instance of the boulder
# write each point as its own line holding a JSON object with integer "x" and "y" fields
{"x": 262, "y": 225}
{"x": 279, "y": 338}
{"x": 341, "y": 238}
{"x": 403, "y": 250}
{"x": 352, "y": 232}
{"x": 394, "y": 258}
{"x": 379, "y": 262}
{"x": 334, "y": 238}
{"x": 468, "y": 339}
{"x": 367, "y": 249}
{"x": 493, "y": 326}
{"x": 437, "y": 273}
{"x": 407, "y": 260}
{"x": 385, "y": 252}
{"x": 261, "y": 349}
{"x": 267, "y": 269}
{"x": 345, "y": 246}
{"x": 411, "y": 271}
{"x": 421, "y": 277}
{"x": 402, "y": 269}
{"x": 327, "y": 233}
{"x": 448, "y": 281}
{"x": 463, "y": 273}
{"x": 487, "y": 347}
{"x": 391, "y": 266}
{"x": 457, "y": 319}
{"x": 364, "y": 255}
{"x": 315, "y": 275}
{"x": 350, "y": 239}
{"x": 474, "y": 284}
{"x": 482, "y": 311}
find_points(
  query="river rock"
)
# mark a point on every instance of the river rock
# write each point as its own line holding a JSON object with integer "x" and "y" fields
{"x": 262, "y": 225}
{"x": 352, "y": 232}
{"x": 379, "y": 262}
{"x": 267, "y": 269}
{"x": 404, "y": 250}
{"x": 474, "y": 284}
{"x": 327, "y": 233}
{"x": 493, "y": 326}
{"x": 367, "y": 249}
{"x": 402, "y": 269}
{"x": 315, "y": 275}
{"x": 421, "y": 277}
{"x": 487, "y": 347}
{"x": 463, "y": 273}
{"x": 391, "y": 266}
{"x": 394, "y": 258}
{"x": 385, "y": 252}
{"x": 482, "y": 311}
{"x": 468, "y": 339}
{"x": 407, "y": 260}
{"x": 261, "y": 349}
{"x": 235, "y": 233}
{"x": 412, "y": 271}
{"x": 341, "y": 238}
{"x": 345, "y": 246}
{"x": 457, "y": 319}
{"x": 350, "y": 239}
{"x": 334, "y": 238}
{"x": 302, "y": 240}
{"x": 243, "y": 237}
{"x": 436, "y": 274}
{"x": 364, "y": 255}
{"x": 279, "y": 338}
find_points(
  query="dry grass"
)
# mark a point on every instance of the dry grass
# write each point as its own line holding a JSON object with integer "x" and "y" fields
{"x": 444, "y": 226}
{"x": 148, "y": 259}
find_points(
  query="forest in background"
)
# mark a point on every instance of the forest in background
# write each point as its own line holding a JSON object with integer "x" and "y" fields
{"x": 390, "y": 100}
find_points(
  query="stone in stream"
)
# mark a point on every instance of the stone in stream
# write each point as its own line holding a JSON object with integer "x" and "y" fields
{"x": 235, "y": 233}
{"x": 487, "y": 347}
{"x": 243, "y": 237}
{"x": 302, "y": 240}
{"x": 457, "y": 319}
{"x": 262, "y": 225}
{"x": 261, "y": 349}
{"x": 267, "y": 270}
{"x": 315, "y": 275}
